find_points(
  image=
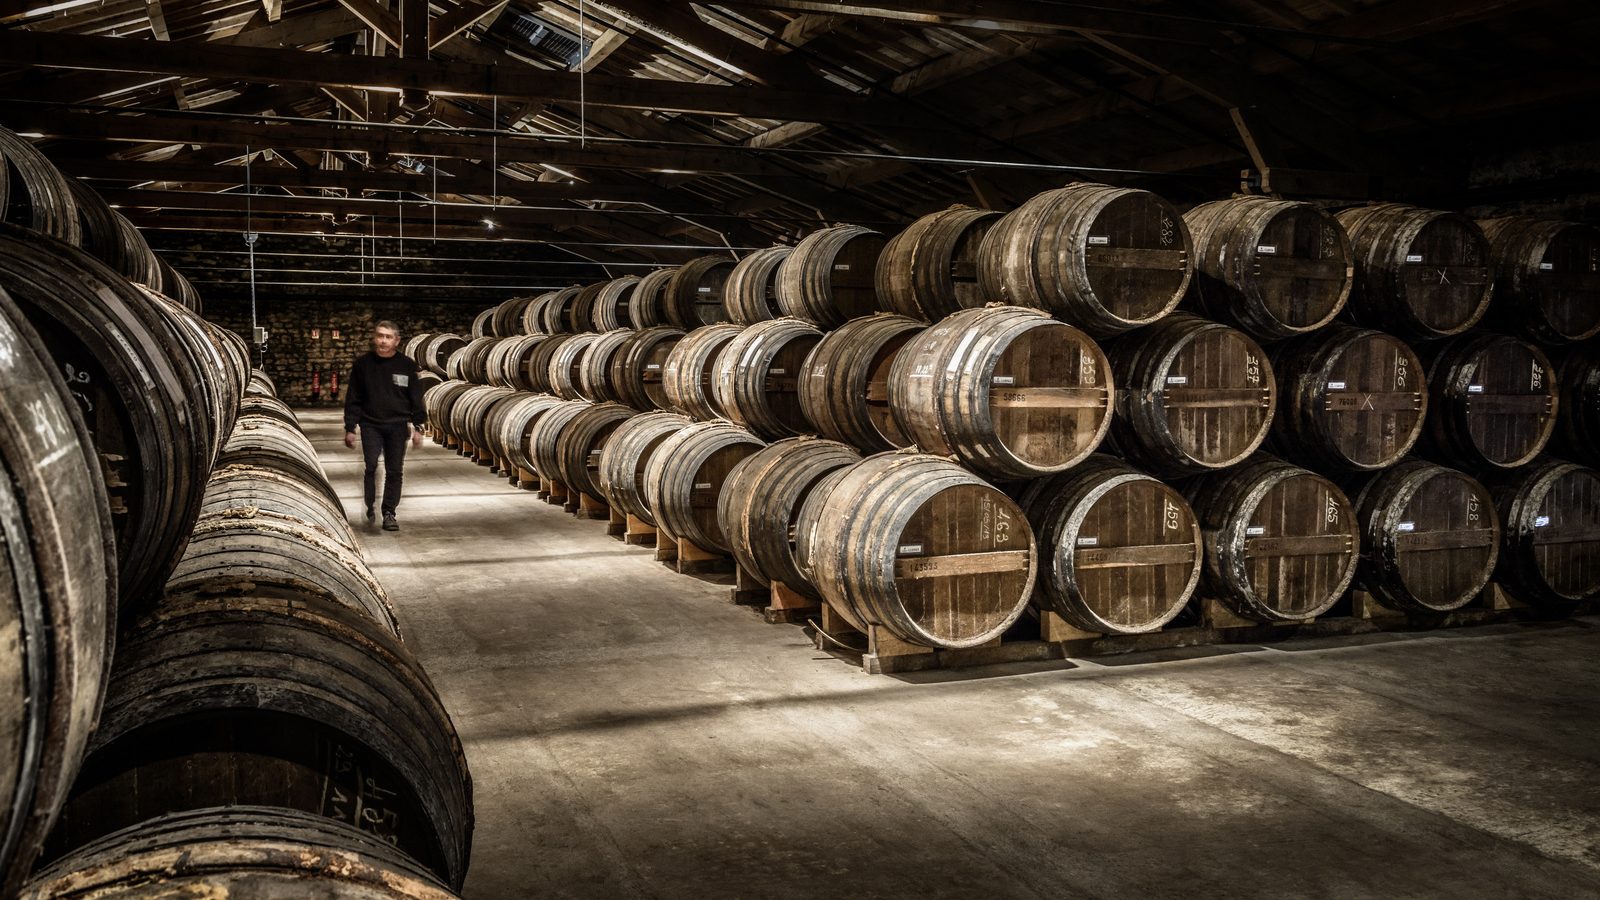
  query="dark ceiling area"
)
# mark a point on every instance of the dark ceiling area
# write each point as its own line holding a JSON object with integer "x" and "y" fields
{"x": 524, "y": 144}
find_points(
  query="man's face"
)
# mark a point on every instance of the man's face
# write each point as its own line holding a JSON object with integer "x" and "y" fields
{"x": 385, "y": 341}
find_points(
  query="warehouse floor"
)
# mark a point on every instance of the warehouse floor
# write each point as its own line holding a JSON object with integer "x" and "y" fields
{"x": 631, "y": 733}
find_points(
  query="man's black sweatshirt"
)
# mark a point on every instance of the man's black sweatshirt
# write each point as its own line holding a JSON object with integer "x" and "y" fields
{"x": 383, "y": 392}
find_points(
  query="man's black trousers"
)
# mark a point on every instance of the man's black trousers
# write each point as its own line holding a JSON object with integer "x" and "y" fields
{"x": 390, "y": 440}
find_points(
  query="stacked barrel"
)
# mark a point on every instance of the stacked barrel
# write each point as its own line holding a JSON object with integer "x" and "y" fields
{"x": 1093, "y": 407}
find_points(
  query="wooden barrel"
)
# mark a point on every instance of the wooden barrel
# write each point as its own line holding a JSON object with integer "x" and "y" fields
{"x": 514, "y": 427}
{"x": 508, "y": 318}
{"x": 1105, "y": 259}
{"x": 268, "y": 406}
{"x": 481, "y": 323}
{"x": 545, "y": 434}
{"x": 828, "y": 278}
{"x": 293, "y": 702}
{"x": 1550, "y": 545}
{"x": 484, "y": 416}
{"x": 647, "y": 308}
{"x": 925, "y": 549}
{"x": 270, "y": 443}
{"x": 540, "y": 358}
{"x": 475, "y": 359}
{"x": 693, "y": 296}
{"x": 566, "y": 365}
{"x": 1429, "y": 537}
{"x": 930, "y": 270}
{"x": 594, "y": 371}
{"x": 174, "y": 284}
{"x": 471, "y": 412}
{"x": 579, "y": 445}
{"x": 1546, "y": 278}
{"x": 1193, "y": 395}
{"x": 1281, "y": 541}
{"x": 1119, "y": 552}
{"x": 688, "y": 373}
{"x": 37, "y": 195}
{"x": 1421, "y": 274}
{"x": 439, "y": 401}
{"x": 1349, "y": 399}
{"x": 112, "y": 239}
{"x": 413, "y": 346}
{"x": 516, "y": 359}
{"x": 261, "y": 384}
{"x": 757, "y": 380}
{"x": 751, "y": 293}
{"x": 805, "y": 526}
{"x": 636, "y": 367}
{"x": 238, "y": 851}
{"x": 58, "y": 592}
{"x": 684, "y": 477}
{"x": 627, "y": 454}
{"x": 761, "y": 500}
{"x": 438, "y": 350}
{"x": 494, "y": 362}
{"x": 584, "y": 306}
{"x": 558, "y": 315}
{"x": 240, "y": 485}
{"x": 1578, "y": 421}
{"x": 1493, "y": 401}
{"x": 136, "y": 372}
{"x": 248, "y": 549}
{"x": 844, "y": 387}
{"x": 1273, "y": 268}
{"x": 612, "y": 303}
{"x": 1011, "y": 392}
{"x": 533, "y": 314}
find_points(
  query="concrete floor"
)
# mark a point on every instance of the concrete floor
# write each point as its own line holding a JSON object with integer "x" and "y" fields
{"x": 633, "y": 734}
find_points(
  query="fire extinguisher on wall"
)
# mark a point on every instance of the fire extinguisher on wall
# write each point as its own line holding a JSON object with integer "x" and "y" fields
{"x": 333, "y": 387}
{"x": 316, "y": 386}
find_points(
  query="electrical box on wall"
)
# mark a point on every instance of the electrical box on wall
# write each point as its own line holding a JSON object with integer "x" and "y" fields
{"x": 260, "y": 334}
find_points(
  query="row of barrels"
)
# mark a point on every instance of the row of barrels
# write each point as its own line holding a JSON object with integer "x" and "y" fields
{"x": 1109, "y": 260}
{"x": 265, "y": 728}
{"x": 928, "y": 550}
{"x": 1014, "y": 393}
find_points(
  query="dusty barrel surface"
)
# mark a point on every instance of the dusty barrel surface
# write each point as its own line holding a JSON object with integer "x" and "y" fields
{"x": 1550, "y": 515}
{"x": 923, "y": 548}
{"x": 1546, "y": 278}
{"x": 111, "y": 238}
{"x": 637, "y": 365}
{"x": 546, "y": 433}
{"x": 438, "y": 350}
{"x": 558, "y": 314}
{"x": 565, "y": 372}
{"x": 1422, "y": 274}
{"x": 693, "y": 295}
{"x": 685, "y": 476}
{"x": 240, "y": 486}
{"x": 509, "y": 318}
{"x": 1119, "y": 552}
{"x": 828, "y": 278}
{"x": 757, "y": 377}
{"x": 583, "y": 440}
{"x": 270, "y": 443}
{"x": 516, "y": 361}
{"x": 1429, "y": 536}
{"x": 844, "y": 388}
{"x": 627, "y": 453}
{"x": 293, "y": 702}
{"x": 1493, "y": 400}
{"x": 751, "y": 293}
{"x": 439, "y": 402}
{"x": 1103, "y": 258}
{"x": 594, "y": 370}
{"x": 1274, "y": 268}
{"x": 238, "y": 851}
{"x": 584, "y": 306}
{"x": 760, "y": 504}
{"x": 1348, "y": 399}
{"x": 612, "y": 304}
{"x": 481, "y": 323}
{"x": 930, "y": 269}
{"x": 1281, "y": 541}
{"x": 515, "y": 427}
{"x": 1192, "y": 395}
{"x": 688, "y": 374}
{"x": 37, "y": 195}
{"x": 1010, "y": 391}
{"x": 1578, "y": 419}
{"x": 648, "y": 306}
{"x": 58, "y": 593}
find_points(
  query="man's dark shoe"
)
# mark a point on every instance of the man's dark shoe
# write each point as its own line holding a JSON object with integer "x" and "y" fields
{"x": 370, "y": 513}
{"x": 389, "y": 524}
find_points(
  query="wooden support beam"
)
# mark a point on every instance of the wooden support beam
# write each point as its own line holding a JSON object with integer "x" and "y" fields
{"x": 603, "y": 46}
{"x": 376, "y": 17}
{"x": 414, "y": 45}
{"x": 273, "y": 9}
{"x": 955, "y": 66}
{"x": 1005, "y": 15}
{"x": 461, "y": 18}
{"x": 805, "y": 28}
{"x": 785, "y": 134}
{"x": 158, "y": 20}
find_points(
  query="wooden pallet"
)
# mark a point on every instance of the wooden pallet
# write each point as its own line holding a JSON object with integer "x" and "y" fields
{"x": 880, "y": 653}
{"x": 689, "y": 558}
{"x": 552, "y": 491}
{"x": 590, "y": 508}
{"x": 638, "y": 532}
{"x": 780, "y": 604}
{"x": 527, "y": 480}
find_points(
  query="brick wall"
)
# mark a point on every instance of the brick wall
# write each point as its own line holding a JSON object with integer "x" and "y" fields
{"x": 302, "y": 337}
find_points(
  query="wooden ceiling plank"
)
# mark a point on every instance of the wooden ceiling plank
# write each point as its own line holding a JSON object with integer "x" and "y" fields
{"x": 461, "y": 18}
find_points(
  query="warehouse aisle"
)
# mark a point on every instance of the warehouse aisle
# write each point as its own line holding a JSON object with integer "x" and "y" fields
{"x": 631, "y": 733}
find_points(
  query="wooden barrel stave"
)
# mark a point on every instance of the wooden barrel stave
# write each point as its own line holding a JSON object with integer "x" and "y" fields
{"x": 636, "y": 367}
{"x": 613, "y": 303}
{"x": 565, "y": 368}
{"x": 1494, "y": 401}
{"x": 750, "y": 295}
{"x": 844, "y": 391}
{"x": 757, "y": 377}
{"x": 760, "y": 503}
{"x": 647, "y": 309}
{"x": 688, "y": 374}
{"x": 546, "y": 435}
{"x": 627, "y": 454}
{"x": 930, "y": 269}
{"x": 594, "y": 374}
{"x": 685, "y": 475}
{"x": 827, "y": 279}
{"x": 1546, "y": 278}
{"x": 580, "y": 444}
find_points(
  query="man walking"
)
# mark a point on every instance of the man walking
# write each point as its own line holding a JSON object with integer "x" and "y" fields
{"x": 384, "y": 400}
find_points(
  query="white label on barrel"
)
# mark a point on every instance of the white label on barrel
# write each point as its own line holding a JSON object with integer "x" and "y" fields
{"x": 910, "y": 549}
{"x": 703, "y": 486}
{"x": 653, "y": 365}
{"x": 776, "y": 371}
{"x": 1254, "y": 530}
{"x": 1406, "y": 526}
{"x": 1267, "y": 249}
{"x": 1545, "y": 267}
{"x": 1099, "y": 240}
{"x": 842, "y": 267}
{"x": 1474, "y": 388}
{"x": 1335, "y": 385}
{"x": 1413, "y": 257}
{"x": 1541, "y": 521}
{"x": 703, "y": 290}
{"x": 1177, "y": 379}
{"x": 1088, "y": 542}
{"x": 1005, "y": 379}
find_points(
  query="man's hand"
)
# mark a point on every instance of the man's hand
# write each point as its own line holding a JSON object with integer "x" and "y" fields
{"x": 350, "y": 439}
{"x": 416, "y": 438}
